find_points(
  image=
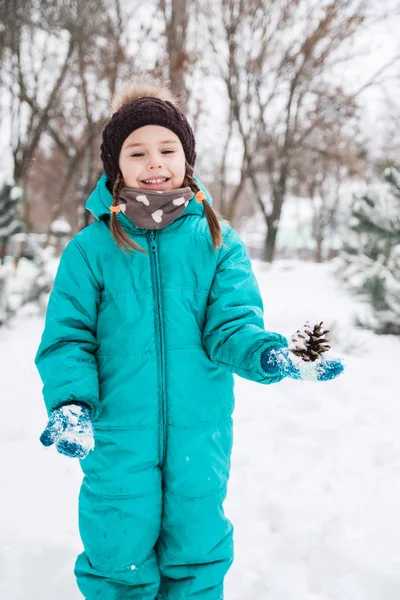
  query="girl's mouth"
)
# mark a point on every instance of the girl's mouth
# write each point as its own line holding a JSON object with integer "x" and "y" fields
{"x": 156, "y": 183}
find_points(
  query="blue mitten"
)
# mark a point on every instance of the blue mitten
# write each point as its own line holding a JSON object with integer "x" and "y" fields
{"x": 281, "y": 360}
{"x": 70, "y": 428}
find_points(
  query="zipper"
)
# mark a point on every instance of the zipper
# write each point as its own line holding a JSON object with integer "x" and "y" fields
{"x": 155, "y": 271}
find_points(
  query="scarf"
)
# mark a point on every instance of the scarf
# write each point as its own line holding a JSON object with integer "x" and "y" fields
{"x": 152, "y": 209}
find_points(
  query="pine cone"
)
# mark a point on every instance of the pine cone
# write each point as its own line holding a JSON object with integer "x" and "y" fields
{"x": 309, "y": 343}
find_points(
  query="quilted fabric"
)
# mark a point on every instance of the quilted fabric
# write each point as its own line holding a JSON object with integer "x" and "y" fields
{"x": 150, "y": 342}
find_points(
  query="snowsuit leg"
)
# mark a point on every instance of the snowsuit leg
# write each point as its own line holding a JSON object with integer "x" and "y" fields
{"x": 120, "y": 508}
{"x": 195, "y": 549}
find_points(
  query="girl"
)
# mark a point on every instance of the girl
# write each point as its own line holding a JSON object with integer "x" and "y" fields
{"x": 154, "y": 307}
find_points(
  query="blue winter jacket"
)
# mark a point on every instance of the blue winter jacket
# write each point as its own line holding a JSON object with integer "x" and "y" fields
{"x": 150, "y": 342}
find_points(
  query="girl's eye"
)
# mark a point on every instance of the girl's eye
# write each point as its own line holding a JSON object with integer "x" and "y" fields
{"x": 139, "y": 154}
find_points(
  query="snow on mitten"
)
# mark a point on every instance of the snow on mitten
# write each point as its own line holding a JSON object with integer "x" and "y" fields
{"x": 70, "y": 428}
{"x": 303, "y": 360}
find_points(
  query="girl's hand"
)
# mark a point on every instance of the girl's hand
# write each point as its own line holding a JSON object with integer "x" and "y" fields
{"x": 70, "y": 428}
{"x": 283, "y": 361}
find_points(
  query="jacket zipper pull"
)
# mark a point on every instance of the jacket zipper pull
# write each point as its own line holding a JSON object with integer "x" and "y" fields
{"x": 153, "y": 244}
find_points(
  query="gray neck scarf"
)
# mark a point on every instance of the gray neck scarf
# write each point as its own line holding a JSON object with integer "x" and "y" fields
{"x": 150, "y": 209}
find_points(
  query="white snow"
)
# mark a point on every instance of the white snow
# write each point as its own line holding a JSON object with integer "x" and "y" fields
{"x": 315, "y": 487}
{"x": 84, "y": 435}
{"x": 60, "y": 227}
{"x": 16, "y": 192}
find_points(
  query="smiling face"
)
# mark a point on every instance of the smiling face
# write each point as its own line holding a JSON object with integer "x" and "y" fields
{"x": 152, "y": 158}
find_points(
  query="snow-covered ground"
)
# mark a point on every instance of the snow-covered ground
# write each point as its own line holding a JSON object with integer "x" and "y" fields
{"x": 315, "y": 487}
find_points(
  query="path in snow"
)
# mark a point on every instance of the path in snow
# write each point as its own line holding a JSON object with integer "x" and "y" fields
{"x": 315, "y": 487}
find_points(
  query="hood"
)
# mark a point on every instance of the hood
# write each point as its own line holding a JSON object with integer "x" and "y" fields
{"x": 100, "y": 200}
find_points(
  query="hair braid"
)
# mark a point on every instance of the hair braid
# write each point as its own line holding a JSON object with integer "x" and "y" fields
{"x": 122, "y": 239}
{"x": 211, "y": 214}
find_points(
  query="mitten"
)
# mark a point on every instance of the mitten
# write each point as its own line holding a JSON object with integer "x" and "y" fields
{"x": 303, "y": 360}
{"x": 70, "y": 428}
{"x": 283, "y": 361}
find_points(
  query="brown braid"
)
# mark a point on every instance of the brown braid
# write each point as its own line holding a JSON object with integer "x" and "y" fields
{"x": 211, "y": 214}
{"x": 122, "y": 239}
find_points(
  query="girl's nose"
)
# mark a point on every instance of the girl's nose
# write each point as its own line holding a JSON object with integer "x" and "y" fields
{"x": 154, "y": 162}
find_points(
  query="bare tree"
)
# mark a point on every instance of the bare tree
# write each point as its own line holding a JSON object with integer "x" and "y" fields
{"x": 38, "y": 54}
{"x": 87, "y": 90}
{"x": 176, "y": 14}
{"x": 63, "y": 64}
{"x": 321, "y": 177}
{"x": 277, "y": 65}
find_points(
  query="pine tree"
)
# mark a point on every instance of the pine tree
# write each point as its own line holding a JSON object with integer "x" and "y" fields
{"x": 371, "y": 255}
{"x": 10, "y": 221}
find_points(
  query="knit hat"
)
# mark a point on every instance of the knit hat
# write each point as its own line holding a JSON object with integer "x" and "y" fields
{"x": 136, "y": 111}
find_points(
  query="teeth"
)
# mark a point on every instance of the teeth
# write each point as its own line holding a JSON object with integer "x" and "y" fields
{"x": 155, "y": 180}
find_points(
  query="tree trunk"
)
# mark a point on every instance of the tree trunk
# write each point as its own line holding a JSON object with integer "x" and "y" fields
{"x": 26, "y": 208}
{"x": 231, "y": 208}
{"x": 268, "y": 253}
{"x": 176, "y": 16}
{"x": 318, "y": 249}
{"x": 273, "y": 220}
{"x": 3, "y": 247}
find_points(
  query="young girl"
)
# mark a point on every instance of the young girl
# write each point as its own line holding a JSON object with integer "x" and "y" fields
{"x": 154, "y": 307}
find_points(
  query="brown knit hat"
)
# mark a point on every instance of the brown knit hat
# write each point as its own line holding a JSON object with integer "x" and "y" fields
{"x": 142, "y": 105}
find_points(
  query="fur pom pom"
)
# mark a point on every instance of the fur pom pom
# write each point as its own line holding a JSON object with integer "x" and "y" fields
{"x": 139, "y": 86}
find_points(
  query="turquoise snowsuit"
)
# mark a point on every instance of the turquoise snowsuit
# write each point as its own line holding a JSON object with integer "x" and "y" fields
{"x": 150, "y": 342}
